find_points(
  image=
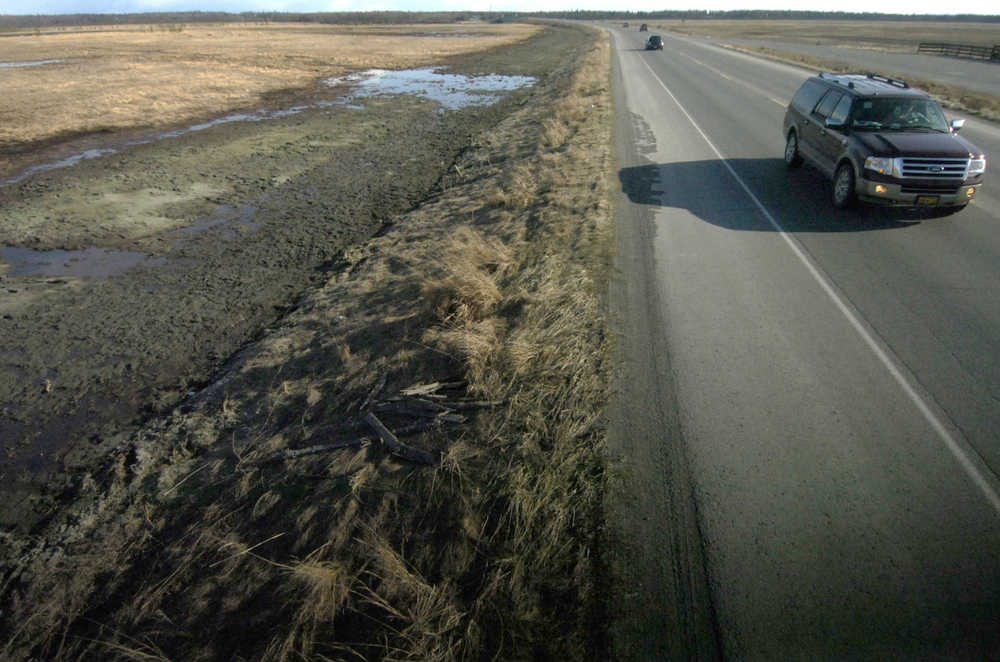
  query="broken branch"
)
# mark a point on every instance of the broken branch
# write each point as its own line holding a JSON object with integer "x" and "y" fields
{"x": 395, "y": 445}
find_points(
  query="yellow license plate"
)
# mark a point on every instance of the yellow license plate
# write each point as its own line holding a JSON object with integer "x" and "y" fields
{"x": 927, "y": 199}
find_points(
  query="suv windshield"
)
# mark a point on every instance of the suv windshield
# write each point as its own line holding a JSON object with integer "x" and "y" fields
{"x": 899, "y": 114}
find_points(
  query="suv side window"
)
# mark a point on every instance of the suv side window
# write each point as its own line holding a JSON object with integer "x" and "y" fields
{"x": 828, "y": 103}
{"x": 807, "y": 96}
{"x": 842, "y": 110}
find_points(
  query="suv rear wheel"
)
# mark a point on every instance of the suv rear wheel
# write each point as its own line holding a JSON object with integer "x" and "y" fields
{"x": 843, "y": 186}
{"x": 792, "y": 157}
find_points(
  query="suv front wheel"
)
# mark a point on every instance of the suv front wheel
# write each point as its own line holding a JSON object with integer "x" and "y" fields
{"x": 843, "y": 186}
{"x": 792, "y": 157}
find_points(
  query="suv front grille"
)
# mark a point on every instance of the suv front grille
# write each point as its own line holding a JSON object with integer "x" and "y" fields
{"x": 921, "y": 189}
{"x": 913, "y": 167}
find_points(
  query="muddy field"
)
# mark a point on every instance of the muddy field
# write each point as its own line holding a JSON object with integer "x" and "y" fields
{"x": 260, "y": 518}
{"x": 68, "y": 83}
{"x": 180, "y": 250}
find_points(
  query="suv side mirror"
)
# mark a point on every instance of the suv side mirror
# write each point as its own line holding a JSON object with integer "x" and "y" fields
{"x": 837, "y": 125}
{"x": 956, "y": 125}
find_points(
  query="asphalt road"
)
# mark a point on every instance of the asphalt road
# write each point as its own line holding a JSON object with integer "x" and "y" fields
{"x": 809, "y": 409}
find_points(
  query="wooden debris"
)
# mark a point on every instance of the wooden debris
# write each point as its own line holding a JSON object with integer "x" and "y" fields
{"x": 410, "y": 408}
{"x": 379, "y": 385}
{"x": 429, "y": 389}
{"x": 294, "y": 453}
{"x": 395, "y": 445}
{"x": 420, "y": 401}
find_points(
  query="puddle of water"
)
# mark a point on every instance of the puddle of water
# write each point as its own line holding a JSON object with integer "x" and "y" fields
{"x": 64, "y": 163}
{"x": 97, "y": 262}
{"x": 87, "y": 263}
{"x": 453, "y": 91}
{"x": 28, "y": 63}
{"x": 256, "y": 116}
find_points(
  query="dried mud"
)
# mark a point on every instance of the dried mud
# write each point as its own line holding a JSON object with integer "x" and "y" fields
{"x": 240, "y": 220}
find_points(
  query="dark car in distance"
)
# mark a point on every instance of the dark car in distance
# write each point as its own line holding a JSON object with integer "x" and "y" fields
{"x": 654, "y": 43}
{"x": 881, "y": 141}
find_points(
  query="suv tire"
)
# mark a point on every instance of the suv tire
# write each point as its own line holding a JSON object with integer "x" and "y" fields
{"x": 843, "y": 186}
{"x": 792, "y": 157}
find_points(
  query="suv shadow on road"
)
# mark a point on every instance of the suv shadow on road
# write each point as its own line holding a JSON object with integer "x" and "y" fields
{"x": 798, "y": 200}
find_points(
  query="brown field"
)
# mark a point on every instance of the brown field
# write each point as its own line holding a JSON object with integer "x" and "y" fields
{"x": 884, "y": 35}
{"x": 143, "y": 76}
{"x": 898, "y": 36}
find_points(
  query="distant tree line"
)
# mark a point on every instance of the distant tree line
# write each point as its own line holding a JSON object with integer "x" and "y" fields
{"x": 34, "y": 21}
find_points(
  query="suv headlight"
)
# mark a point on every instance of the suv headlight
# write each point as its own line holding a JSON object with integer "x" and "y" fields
{"x": 977, "y": 166}
{"x": 880, "y": 164}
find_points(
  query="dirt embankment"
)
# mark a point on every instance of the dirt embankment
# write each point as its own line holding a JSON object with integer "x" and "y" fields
{"x": 186, "y": 540}
{"x": 239, "y": 218}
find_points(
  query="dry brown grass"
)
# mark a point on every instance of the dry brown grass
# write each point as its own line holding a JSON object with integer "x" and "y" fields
{"x": 518, "y": 190}
{"x": 468, "y": 291}
{"x": 885, "y": 35}
{"x": 548, "y": 364}
{"x": 132, "y": 77}
{"x": 491, "y": 554}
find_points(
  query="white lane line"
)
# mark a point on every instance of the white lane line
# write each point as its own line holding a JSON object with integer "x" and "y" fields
{"x": 980, "y": 475}
{"x": 734, "y": 80}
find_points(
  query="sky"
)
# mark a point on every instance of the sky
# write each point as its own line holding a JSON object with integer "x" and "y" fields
{"x": 130, "y": 6}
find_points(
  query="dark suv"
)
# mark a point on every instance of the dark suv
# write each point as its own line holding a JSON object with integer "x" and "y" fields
{"x": 654, "y": 43}
{"x": 881, "y": 141}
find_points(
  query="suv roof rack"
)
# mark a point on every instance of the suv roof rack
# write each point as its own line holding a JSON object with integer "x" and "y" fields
{"x": 895, "y": 82}
{"x": 849, "y": 80}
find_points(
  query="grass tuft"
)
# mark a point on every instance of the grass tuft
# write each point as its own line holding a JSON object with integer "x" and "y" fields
{"x": 491, "y": 554}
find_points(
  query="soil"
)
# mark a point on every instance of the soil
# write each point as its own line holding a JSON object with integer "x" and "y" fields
{"x": 204, "y": 533}
{"x": 236, "y": 222}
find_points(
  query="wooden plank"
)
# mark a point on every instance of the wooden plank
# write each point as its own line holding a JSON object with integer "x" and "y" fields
{"x": 373, "y": 394}
{"x": 397, "y": 447}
